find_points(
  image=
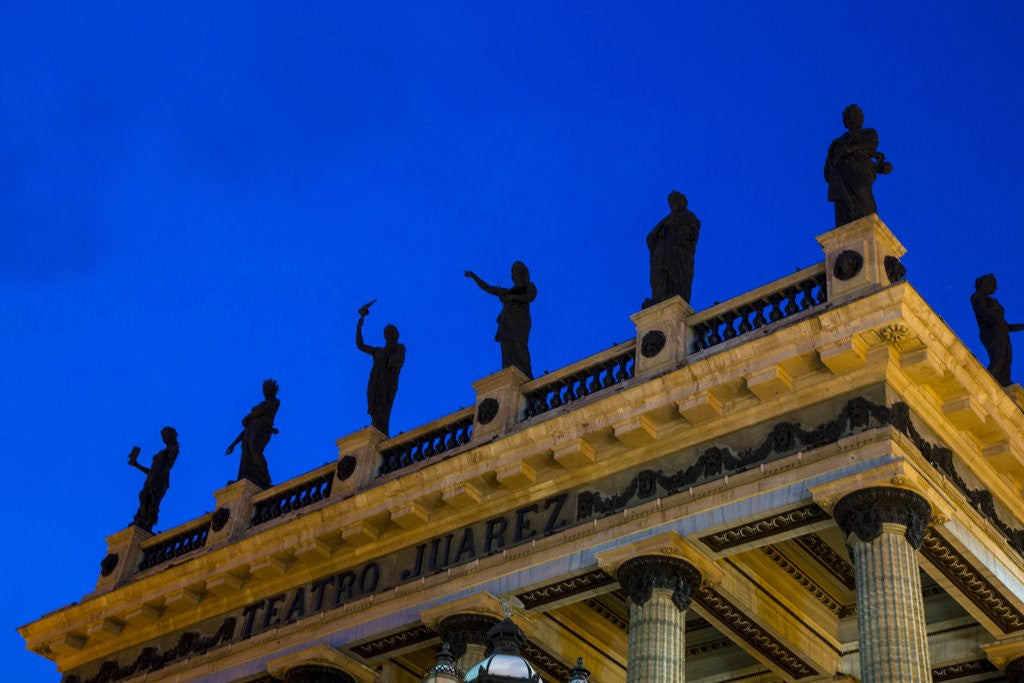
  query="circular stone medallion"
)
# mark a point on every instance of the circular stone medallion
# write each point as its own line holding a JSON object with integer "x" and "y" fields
{"x": 848, "y": 264}
{"x": 652, "y": 343}
{"x": 487, "y": 411}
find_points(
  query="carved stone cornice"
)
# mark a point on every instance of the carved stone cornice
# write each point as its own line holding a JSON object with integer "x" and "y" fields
{"x": 733, "y": 619}
{"x": 641, "y": 575}
{"x": 460, "y": 630}
{"x": 809, "y": 584}
{"x": 379, "y": 646}
{"x": 951, "y": 672}
{"x": 764, "y": 528}
{"x": 828, "y": 558}
{"x": 969, "y": 581}
{"x": 565, "y": 588}
{"x": 864, "y": 512}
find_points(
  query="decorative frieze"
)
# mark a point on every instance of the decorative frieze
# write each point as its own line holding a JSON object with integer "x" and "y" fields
{"x": 765, "y": 527}
{"x": 969, "y": 581}
{"x": 734, "y": 619}
{"x": 565, "y": 588}
{"x": 828, "y": 558}
{"x": 379, "y": 646}
{"x": 974, "y": 667}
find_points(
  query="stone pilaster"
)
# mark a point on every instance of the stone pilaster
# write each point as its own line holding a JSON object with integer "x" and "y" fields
{"x": 884, "y": 528}
{"x": 466, "y": 634}
{"x": 659, "y": 589}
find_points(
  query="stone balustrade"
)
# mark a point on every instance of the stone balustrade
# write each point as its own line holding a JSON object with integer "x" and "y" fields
{"x": 758, "y": 309}
{"x": 561, "y": 390}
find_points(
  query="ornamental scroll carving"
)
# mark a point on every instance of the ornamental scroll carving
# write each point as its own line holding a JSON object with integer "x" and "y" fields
{"x": 864, "y": 512}
{"x": 641, "y": 575}
{"x": 151, "y": 659}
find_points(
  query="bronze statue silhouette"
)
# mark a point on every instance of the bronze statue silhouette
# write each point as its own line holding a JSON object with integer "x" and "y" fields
{"x": 993, "y": 328}
{"x": 673, "y": 245}
{"x": 257, "y": 428}
{"x": 387, "y": 364}
{"x": 851, "y": 166}
{"x": 158, "y": 478}
{"x": 514, "y": 320}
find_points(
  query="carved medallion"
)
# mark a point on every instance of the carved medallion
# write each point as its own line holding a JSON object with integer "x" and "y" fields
{"x": 652, "y": 343}
{"x": 894, "y": 333}
{"x": 220, "y": 518}
{"x": 346, "y": 466}
{"x": 487, "y": 411}
{"x": 847, "y": 264}
{"x": 894, "y": 270}
{"x": 108, "y": 564}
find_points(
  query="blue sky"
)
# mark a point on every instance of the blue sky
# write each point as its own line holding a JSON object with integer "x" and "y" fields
{"x": 198, "y": 196}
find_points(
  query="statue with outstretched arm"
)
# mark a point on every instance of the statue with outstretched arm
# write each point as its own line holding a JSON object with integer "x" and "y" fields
{"x": 514, "y": 320}
{"x": 158, "y": 478}
{"x": 387, "y": 364}
{"x": 257, "y": 428}
{"x": 993, "y": 328}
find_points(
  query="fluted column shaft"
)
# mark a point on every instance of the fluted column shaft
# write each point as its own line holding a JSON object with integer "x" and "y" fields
{"x": 884, "y": 528}
{"x": 659, "y": 590}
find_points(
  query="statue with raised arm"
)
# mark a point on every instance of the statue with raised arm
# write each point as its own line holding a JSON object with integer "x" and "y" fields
{"x": 158, "y": 478}
{"x": 257, "y": 428}
{"x": 851, "y": 166}
{"x": 995, "y": 331}
{"x": 514, "y": 320}
{"x": 673, "y": 245}
{"x": 387, "y": 364}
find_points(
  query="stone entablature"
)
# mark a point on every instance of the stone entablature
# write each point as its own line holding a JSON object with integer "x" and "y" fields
{"x": 883, "y": 345}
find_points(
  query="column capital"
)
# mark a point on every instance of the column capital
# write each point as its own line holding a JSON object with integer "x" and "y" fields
{"x": 669, "y": 544}
{"x": 462, "y": 630}
{"x": 639, "y": 576}
{"x": 864, "y": 512}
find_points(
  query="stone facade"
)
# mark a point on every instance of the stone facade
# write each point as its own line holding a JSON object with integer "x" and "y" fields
{"x": 812, "y": 481}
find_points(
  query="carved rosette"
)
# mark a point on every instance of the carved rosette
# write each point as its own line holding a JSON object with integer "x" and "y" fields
{"x": 346, "y": 466}
{"x": 652, "y": 343}
{"x": 847, "y": 264}
{"x": 487, "y": 411}
{"x": 864, "y": 512}
{"x": 641, "y": 575}
{"x": 108, "y": 564}
{"x": 460, "y": 630}
{"x": 1015, "y": 671}
{"x": 220, "y": 518}
{"x": 316, "y": 673}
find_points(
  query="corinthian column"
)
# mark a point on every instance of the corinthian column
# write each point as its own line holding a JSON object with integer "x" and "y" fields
{"x": 884, "y": 528}
{"x": 659, "y": 589}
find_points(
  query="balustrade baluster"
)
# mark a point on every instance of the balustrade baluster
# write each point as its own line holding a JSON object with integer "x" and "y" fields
{"x": 730, "y": 319}
{"x": 775, "y": 314}
{"x": 807, "y": 287}
{"x": 714, "y": 338}
{"x": 791, "y": 294}
{"x": 745, "y": 325}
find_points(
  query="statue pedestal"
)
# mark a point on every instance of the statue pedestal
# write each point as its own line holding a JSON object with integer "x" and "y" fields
{"x": 859, "y": 258}
{"x": 362, "y": 446}
{"x": 498, "y": 403}
{"x": 662, "y": 336}
{"x": 236, "y": 497}
{"x": 124, "y": 553}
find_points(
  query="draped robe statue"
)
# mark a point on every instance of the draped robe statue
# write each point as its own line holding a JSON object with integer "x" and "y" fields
{"x": 673, "y": 245}
{"x": 387, "y": 364}
{"x": 257, "y": 428}
{"x": 158, "y": 479}
{"x": 993, "y": 328}
{"x": 851, "y": 166}
{"x": 514, "y": 320}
